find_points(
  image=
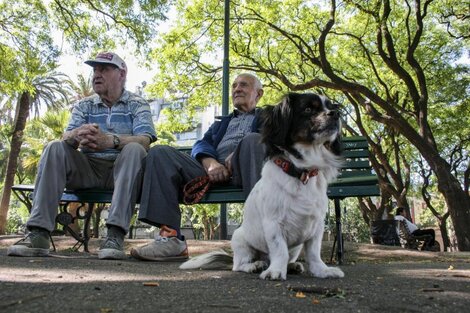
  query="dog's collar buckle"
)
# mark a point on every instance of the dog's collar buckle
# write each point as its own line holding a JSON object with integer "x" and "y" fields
{"x": 305, "y": 176}
{"x": 289, "y": 168}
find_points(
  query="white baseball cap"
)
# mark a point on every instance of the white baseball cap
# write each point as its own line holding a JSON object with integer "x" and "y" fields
{"x": 108, "y": 58}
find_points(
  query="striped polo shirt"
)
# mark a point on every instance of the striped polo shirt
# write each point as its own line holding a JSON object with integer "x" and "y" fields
{"x": 130, "y": 115}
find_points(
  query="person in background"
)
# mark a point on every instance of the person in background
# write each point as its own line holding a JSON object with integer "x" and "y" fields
{"x": 230, "y": 151}
{"x": 400, "y": 215}
{"x": 104, "y": 146}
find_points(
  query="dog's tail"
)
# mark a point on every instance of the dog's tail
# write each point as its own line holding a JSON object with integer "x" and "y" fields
{"x": 215, "y": 260}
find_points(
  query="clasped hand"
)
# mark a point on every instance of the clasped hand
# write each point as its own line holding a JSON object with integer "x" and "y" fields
{"x": 91, "y": 137}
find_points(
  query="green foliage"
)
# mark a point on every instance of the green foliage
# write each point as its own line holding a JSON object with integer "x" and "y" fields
{"x": 235, "y": 213}
{"x": 17, "y": 217}
{"x": 107, "y": 23}
{"x": 27, "y": 31}
{"x": 39, "y": 131}
{"x": 353, "y": 225}
{"x": 391, "y": 64}
{"x": 165, "y": 137}
{"x": 202, "y": 217}
{"x": 26, "y": 45}
{"x": 5, "y": 131}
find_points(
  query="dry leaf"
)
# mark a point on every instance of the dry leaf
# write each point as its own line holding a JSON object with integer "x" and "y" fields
{"x": 152, "y": 284}
{"x": 105, "y": 310}
{"x": 315, "y": 301}
{"x": 300, "y": 295}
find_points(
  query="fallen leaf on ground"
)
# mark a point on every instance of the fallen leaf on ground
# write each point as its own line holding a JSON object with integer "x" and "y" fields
{"x": 152, "y": 284}
{"x": 432, "y": 290}
{"x": 327, "y": 292}
{"x": 300, "y": 295}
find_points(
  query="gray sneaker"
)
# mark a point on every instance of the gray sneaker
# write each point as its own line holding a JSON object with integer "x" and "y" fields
{"x": 112, "y": 249}
{"x": 35, "y": 243}
{"x": 162, "y": 249}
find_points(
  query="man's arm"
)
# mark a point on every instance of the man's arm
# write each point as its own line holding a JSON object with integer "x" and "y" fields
{"x": 91, "y": 137}
{"x": 125, "y": 139}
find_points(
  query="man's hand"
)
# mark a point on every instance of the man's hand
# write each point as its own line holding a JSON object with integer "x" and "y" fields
{"x": 217, "y": 172}
{"x": 91, "y": 137}
{"x": 228, "y": 163}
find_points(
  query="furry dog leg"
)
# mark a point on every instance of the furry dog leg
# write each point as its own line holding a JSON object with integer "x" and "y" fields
{"x": 316, "y": 266}
{"x": 243, "y": 255}
{"x": 278, "y": 253}
{"x": 295, "y": 267}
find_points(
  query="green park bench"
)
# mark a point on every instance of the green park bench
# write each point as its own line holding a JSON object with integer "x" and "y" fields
{"x": 356, "y": 179}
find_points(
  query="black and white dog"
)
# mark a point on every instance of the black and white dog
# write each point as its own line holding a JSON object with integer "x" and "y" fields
{"x": 286, "y": 209}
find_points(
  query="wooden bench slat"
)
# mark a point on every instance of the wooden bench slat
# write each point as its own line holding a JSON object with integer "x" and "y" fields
{"x": 357, "y": 180}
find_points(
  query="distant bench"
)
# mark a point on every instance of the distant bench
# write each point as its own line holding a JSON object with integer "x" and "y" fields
{"x": 356, "y": 179}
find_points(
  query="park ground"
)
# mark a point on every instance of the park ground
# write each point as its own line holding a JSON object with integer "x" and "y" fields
{"x": 377, "y": 279}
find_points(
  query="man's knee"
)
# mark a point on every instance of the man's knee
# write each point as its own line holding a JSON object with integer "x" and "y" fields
{"x": 134, "y": 148}
{"x": 55, "y": 147}
{"x": 160, "y": 151}
{"x": 252, "y": 139}
{"x": 55, "y": 144}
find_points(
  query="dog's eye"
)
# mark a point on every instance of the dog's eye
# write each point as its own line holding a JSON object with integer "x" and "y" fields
{"x": 308, "y": 110}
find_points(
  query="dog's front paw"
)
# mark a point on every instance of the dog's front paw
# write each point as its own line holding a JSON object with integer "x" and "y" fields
{"x": 295, "y": 268}
{"x": 259, "y": 266}
{"x": 272, "y": 274}
{"x": 327, "y": 272}
{"x": 254, "y": 267}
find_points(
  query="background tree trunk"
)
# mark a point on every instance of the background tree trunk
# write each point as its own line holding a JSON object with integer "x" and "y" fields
{"x": 22, "y": 115}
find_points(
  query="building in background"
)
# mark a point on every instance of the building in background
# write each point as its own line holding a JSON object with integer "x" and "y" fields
{"x": 204, "y": 119}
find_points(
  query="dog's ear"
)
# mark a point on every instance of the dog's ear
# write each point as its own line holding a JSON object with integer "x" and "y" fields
{"x": 276, "y": 125}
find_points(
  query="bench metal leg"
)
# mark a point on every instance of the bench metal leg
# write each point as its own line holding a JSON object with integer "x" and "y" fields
{"x": 339, "y": 231}
{"x": 86, "y": 227}
{"x": 65, "y": 219}
{"x": 223, "y": 221}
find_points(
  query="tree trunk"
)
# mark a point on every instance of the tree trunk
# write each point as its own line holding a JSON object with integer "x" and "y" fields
{"x": 22, "y": 115}
{"x": 458, "y": 203}
{"x": 444, "y": 234}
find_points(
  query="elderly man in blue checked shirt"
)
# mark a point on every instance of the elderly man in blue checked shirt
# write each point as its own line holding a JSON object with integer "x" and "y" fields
{"x": 230, "y": 152}
{"x": 104, "y": 146}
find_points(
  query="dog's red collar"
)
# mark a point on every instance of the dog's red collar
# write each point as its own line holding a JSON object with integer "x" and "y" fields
{"x": 289, "y": 168}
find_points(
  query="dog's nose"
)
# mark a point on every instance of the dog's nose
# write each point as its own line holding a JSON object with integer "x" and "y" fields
{"x": 333, "y": 113}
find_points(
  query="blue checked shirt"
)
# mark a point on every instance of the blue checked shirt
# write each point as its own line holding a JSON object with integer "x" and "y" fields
{"x": 239, "y": 126}
{"x": 130, "y": 115}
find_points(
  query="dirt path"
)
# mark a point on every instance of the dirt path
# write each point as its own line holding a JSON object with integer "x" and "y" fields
{"x": 378, "y": 279}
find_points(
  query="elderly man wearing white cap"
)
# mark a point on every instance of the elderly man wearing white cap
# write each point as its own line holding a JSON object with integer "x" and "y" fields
{"x": 103, "y": 146}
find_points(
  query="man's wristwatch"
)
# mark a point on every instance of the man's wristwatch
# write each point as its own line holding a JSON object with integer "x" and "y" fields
{"x": 116, "y": 141}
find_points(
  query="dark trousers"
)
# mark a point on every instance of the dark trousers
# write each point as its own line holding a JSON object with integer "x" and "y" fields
{"x": 167, "y": 170}
{"x": 429, "y": 242}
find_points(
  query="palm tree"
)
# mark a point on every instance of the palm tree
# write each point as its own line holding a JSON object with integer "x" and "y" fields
{"x": 51, "y": 91}
{"x": 38, "y": 133}
{"x": 82, "y": 89}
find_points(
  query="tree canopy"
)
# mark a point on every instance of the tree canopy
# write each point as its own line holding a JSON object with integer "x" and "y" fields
{"x": 395, "y": 66}
{"x": 29, "y": 53}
